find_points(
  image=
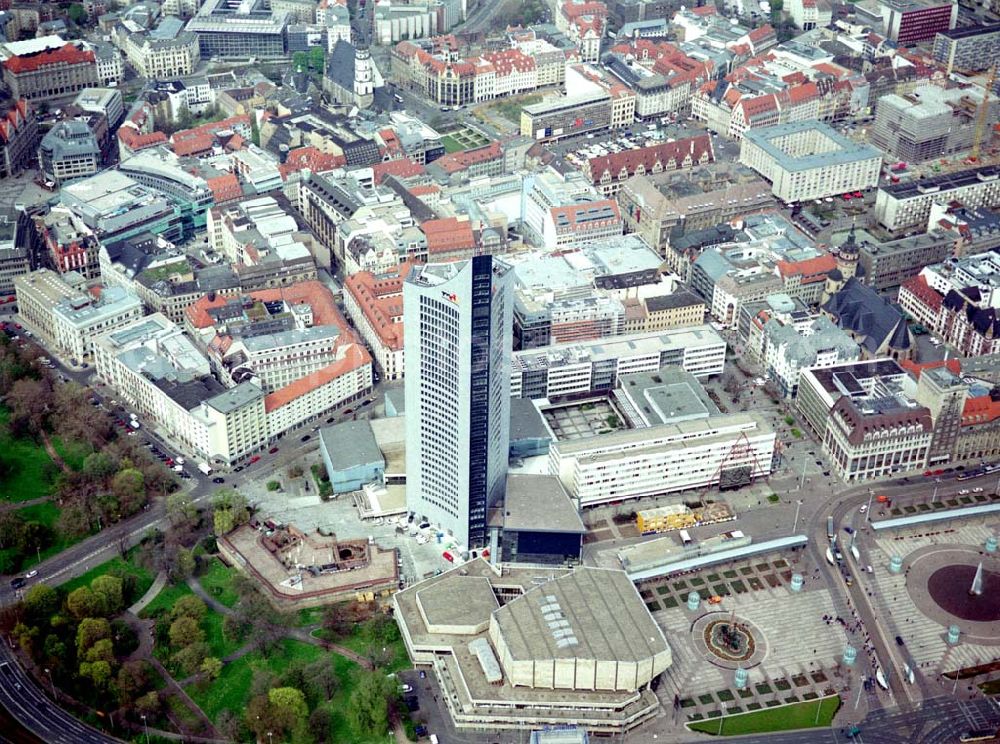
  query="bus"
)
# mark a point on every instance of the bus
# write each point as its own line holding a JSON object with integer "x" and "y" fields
{"x": 830, "y": 532}
{"x": 685, "y": 538}
{"x": 978, "y": 735}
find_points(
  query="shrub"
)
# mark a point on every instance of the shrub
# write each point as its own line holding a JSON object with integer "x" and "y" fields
{"x": 273, "y": 485}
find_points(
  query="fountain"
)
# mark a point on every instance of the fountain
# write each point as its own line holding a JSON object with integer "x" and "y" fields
{"x": 976, "y": 589}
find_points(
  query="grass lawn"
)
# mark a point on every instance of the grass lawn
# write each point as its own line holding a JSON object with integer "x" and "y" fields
{"x": 217, "y": 581}
{"x": 232, "y": 688}
{"x": 357, "y": 643}
{"x": 220, "y": 645}
{"x": 28, "y": 461}
{"x": 784, "y": 718}
{"x": 143, "y": 578}
{"x": 451, "y": 144}
{"x": 511, "y": 109}
{"x": 72, "y": 453}
{"x": 165, "y": 600}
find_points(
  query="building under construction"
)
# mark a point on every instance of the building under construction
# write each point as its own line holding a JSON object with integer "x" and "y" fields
{"x": 930, "y": 122}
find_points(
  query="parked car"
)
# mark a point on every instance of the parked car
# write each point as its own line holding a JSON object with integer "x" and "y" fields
{"x": 272, "y": 451}
{"x": 218, "y": 480}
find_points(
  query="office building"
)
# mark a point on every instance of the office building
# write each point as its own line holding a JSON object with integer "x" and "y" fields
{"x": 374, "y": 302}
{"x": 579, "y": 369}
{"x": 929, "y": 123}
{"x": 165, "y": 53}
{"x": 110, "y": 69}
{"x": 567, "y": 116}
{"x": 905, "y": 205}
{"x": 240, "y": 31}
{"x": 107, "y": 101}
{"x": 18, "y": 139}
{"x": 887, "y": 265}
{"x": 46, "y": 72}
{"x": 69, "y": 151}
{"x": 458, "y": 402}
{"x": 809, "y": 160}
{"x": 678, "y": 441}
{"x": 67, "y": 317}
{"x": 869, "y": 425}
{"x": 790, "y": 348}
{"x": 968, "y": 49}
{"x": 15, "y": 253}
{"x": 907, "y": 22}
{"x": 115, "y": 206}
{"x": 158, "y": 372}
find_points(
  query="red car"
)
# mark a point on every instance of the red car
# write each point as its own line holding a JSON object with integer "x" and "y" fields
{"x": 448, "y": 557}
{"x": 272, "y": 450}
{"x": 254, "y": 459}
{"x": 846, "y": 197}
{"x": 858, "y": 195}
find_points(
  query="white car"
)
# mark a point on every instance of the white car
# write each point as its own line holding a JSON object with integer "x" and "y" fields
{"x": 31, "y": 574}
{"x": 964, "y": 491}
{"x": 404, "y": 688}
{"x": 863, "y": 509}
{"x": 977, "y": 489}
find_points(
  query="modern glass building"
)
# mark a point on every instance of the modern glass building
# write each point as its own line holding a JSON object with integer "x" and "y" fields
{"x": 457, "y": 318}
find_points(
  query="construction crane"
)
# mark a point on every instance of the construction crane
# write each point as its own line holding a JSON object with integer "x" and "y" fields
{"x": 982, "y": 115}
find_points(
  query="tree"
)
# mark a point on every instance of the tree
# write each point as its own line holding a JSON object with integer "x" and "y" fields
{"x": 74, "y": 521}
{"x": 189, "y": 659}
{"x": 99, "y": 465}
{"x": 11, "y": 526}
{"x": 102, "y": 650}
{"x": 229, "y": 725}
{"x": 99, "y": 672}
{"x": 89, "y": 632}
{"x": 290, "y": 702}
{"x": 317, "y": 58}
{"x": 211, "y": 667}
{"x": 336, "y": 620}
{"x": 262, "y": 682}
{"x": 320, "y": 721}
{"x": 109, "y": 589}
{"x": 229, "y": 510}
{"x": 184, "y": 631}
{"x": 262, "y": 717}
{"x": 129, "y": 489}
{"x": 41, "y": 602}
{"x": 320, "y": 679}
{"x": 83, "y": 602}
{"x": 34, "y": 536}
{"x": 77, "y": 14}
{"x": 189, "y": 606}
{"x": 181, "y": 510}
{"x": 132, "y": 679}
{"x": 369, "y": 707}
{"x": 30, "y": 402}
{"x": 148, "y": 704}
{"x": 300, "y": 60}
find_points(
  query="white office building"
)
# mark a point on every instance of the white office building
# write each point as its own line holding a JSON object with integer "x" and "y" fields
{"x": 809, "y": 160}
{"x": 679, "y": 441}
{"x": 457, "y": 346}
{"x": 595, "y": 366}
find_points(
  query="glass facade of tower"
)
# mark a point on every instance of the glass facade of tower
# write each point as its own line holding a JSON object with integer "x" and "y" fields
{"x": 457, "y": 345}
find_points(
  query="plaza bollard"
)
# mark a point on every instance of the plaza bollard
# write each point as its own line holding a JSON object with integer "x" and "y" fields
{"x": 694, "y": 601}
{"x": 850, "y": 655}
{"x": 741, "y": 677}
{"x": 953, "y": 634}
{"x": 991, "y": 544}
{"x": 896, "y": 564}
{"x": 797, "y": 582}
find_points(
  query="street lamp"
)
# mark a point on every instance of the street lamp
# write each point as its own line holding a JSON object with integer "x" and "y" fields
{"x": 49, "y": 672}
{"x": 795, "y": 524}
{"x": 145, "y": 726}
{"x": 270, "y": 737}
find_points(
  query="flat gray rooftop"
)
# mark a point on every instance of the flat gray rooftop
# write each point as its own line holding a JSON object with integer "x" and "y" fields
{"x": 350, "y": 444}
{"x": 539, "y": 503}
{"x": 458, "y": 600}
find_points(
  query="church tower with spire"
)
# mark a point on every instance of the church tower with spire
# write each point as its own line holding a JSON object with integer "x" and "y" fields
{"x": 364, "y": 84}
{"x": 846, "y": 256}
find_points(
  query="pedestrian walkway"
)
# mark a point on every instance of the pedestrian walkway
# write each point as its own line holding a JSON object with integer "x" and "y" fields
{"x": 158, "y": 583}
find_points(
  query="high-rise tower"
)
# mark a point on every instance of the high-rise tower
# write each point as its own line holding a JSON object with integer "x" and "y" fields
{"x": 457, "y": 345}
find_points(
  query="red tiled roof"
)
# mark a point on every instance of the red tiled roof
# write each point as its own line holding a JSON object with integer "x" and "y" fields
{"x": 510, "y": 60}
{"x": 135, "y": 140}
{"x": 447, "y": 235}
{"x": 64, "y": 55}
{"x": 705, "y": 10}
{"x": 802, "y": 93}
{"x": 13, "y": 120}
{"x": 312, "y": 158}
{"x": 811, "y": 270}
{"x": 354, "y": 355}
{"x": 459, "y": 161}
{"x": 401, "y": 168}
{"x": 381, "y": 301}
{"x": 761, "y": 33}
{"x": 928, "y": 296}
{"x": 980, "y": 410}
{"x": 573, "y": 9}
{"x": 311, "y": 292}
{"x": 630, "y": 160}
{"x": 574, "y": 211}
{"x": 225, "y": 188}
{"x": 193, "y": 145}
{"x": 915, "y": 368}
{"x": 424, "y": 190}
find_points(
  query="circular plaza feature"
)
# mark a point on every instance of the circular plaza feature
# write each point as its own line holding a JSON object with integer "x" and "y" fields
{"x": 728, "y": 641}
{"x": 939, "y": 581}
{"x": 950, "y": 587}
